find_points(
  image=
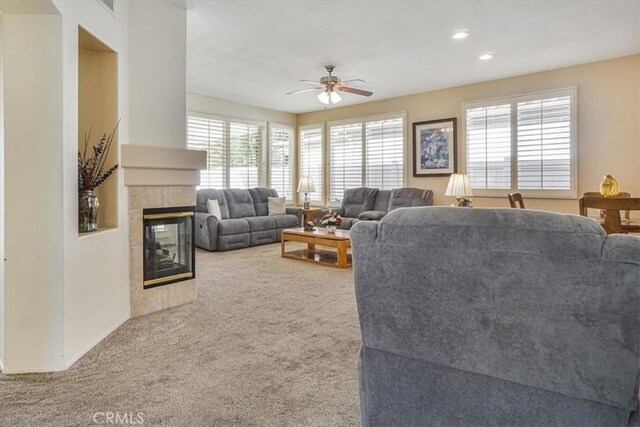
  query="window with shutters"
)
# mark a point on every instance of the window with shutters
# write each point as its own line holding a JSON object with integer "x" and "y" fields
{"x": 312, "y": 159}
{"x": 280, "y": 164}
{"x": 233, "y": 150}
{"x": 524, "y": 143}
{"x": 366, "y": 152}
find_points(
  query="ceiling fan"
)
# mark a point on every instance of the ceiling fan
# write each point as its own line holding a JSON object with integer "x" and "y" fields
{"x": 330, "y": 86}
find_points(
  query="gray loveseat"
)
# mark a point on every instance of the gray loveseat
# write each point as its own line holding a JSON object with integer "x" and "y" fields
{"x": 496, "y": 317}
{"x": 245, "y": 219}
{"x": 364, "y": 203}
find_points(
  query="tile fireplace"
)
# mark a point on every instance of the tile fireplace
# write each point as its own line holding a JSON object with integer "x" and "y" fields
{"x": 169, "y": 250}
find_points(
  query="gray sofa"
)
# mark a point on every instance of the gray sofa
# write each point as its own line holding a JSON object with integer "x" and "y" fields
{"x": 245, "y": 219}
{"x": 364, "y": 203}
{"x": 496, "y": 317}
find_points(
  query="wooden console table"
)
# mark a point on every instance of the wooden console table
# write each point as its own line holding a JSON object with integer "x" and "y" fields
{"x": 320, "y": 237}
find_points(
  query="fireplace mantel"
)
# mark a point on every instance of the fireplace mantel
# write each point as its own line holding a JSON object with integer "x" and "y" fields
{"x": 160, "y": 166}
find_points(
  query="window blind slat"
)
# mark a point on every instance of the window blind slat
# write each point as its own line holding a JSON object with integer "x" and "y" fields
{"x": 280, "y": 161}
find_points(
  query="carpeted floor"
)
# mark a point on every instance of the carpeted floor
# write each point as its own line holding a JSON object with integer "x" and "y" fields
{"x": 270, "y": 341}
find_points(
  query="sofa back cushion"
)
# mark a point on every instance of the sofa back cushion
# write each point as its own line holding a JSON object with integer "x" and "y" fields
{"x": 358, "y": 200}
{"x": 409, "y": 198}
{"x": 260, "y": 197}
{"x": 240, "y": 203}
{"x": 205, "y": 194}
{"x": 382, "y": 200}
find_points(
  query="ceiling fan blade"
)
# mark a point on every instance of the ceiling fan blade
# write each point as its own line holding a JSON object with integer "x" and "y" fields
{"x": 353, "y": 81}
{"x": 355, "y": 91}
{"x": 304, "y": 90}
{"x": 311, "y": 82}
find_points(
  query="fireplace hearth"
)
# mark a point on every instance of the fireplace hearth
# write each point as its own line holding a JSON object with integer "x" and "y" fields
{"x": 169, "y": 250}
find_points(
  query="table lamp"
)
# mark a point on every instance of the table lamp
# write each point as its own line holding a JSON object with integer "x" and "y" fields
{"x": 460, "y": 188}
{"x": 305, "y": 185}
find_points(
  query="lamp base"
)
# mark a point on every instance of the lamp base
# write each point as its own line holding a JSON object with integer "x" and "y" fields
{"x": 463, "y": 202}
{"x": 307, "y": 202}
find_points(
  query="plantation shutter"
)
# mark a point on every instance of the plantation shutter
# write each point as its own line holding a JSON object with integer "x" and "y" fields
{"x": 280, "y": 161}
{"x": 244, "y": 154}
{"x": 384, "y": 153}
{"x": 345, "y": 160}
{"x": 544, "y": 144}
{"x": 311, "y": 160}
{"x": 489, "y": 146}
{"x": 209, "y": 135}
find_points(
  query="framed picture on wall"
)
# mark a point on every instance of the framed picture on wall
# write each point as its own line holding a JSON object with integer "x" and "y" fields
{"x": 435, "y": 147}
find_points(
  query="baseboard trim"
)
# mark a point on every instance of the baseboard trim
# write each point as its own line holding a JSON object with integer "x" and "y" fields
{"x": 68, "y": 362}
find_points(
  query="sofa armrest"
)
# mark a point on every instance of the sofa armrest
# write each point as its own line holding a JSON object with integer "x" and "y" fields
{"x": 297, "y": 212}
{"x": 206, "y": 231}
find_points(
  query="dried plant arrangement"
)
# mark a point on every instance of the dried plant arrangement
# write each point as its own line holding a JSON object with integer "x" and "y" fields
{"x": 91, "y": 168}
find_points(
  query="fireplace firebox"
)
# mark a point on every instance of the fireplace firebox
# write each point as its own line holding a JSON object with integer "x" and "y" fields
{"x": 169, "y": 249}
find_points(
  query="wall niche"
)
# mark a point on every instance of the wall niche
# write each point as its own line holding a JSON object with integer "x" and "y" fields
{"x": 98, "y": 111}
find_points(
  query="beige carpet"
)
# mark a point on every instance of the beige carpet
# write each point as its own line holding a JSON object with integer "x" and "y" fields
{"x": 270, "y": 341}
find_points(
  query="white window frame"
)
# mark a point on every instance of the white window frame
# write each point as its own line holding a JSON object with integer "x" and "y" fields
{"x": 292, "y": 159}
{"x": 571, "y": 193}
{"x": 363, "y": 121}
{"x": 324, "y": 163}
{"x": 262, "y": 167}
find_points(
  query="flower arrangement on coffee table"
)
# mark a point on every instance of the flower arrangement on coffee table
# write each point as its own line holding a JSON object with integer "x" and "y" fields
{"x": 331, "y": 221}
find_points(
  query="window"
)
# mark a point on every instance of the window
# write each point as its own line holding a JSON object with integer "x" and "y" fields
{"x": 525, "y": 144}
{"x": 312, "y": 160}
{"x": 233, "y": 151}
{"x": 280, "y": 145}
{"x": 366, "y": 152}
{"x": 210, "y": 136}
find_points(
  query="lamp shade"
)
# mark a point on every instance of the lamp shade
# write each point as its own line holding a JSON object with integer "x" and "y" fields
{"x": 459, "y": 186}
{"x": 305, "y": 185}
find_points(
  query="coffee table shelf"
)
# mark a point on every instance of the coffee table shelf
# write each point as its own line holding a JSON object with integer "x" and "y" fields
{"x": 340, "y": 258}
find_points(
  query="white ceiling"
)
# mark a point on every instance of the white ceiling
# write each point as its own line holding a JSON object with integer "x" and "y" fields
{"x": 253, "y": 51}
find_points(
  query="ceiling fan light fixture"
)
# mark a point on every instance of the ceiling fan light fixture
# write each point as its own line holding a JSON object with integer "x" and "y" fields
{"x": 329, "y": 97}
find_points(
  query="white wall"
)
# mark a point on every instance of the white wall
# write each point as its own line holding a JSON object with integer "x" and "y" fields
{"x": 96, "y": 292}
{"x": 157, "y": 72}
{"x": 2, "y": 310}
{"x": 62, "y": 292}
{"x": 33, "y": 193}
{"x": 220, "y": 107}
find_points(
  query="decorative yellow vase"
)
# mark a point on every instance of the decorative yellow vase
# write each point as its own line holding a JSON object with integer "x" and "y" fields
{"x": 609, "y": 186}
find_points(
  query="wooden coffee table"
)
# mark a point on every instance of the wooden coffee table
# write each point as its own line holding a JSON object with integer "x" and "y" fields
{"x": 320, "y": 237}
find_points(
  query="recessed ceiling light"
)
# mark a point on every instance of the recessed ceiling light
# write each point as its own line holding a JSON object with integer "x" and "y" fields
{"x": 460, "y": 35}
{"x": 485, "y": 57}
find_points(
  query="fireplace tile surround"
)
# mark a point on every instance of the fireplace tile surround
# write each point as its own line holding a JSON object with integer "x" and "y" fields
{"x": 145, "y": 301}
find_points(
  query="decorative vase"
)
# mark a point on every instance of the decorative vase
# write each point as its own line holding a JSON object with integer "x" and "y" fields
{"x": 331, "y": 228}
{"x": 88, "y": 205}
{"x": 609, "y": 186}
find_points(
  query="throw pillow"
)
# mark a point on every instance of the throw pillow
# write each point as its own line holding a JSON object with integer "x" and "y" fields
{"x": 276, "y": 205}
{"x": 213, "y": 207}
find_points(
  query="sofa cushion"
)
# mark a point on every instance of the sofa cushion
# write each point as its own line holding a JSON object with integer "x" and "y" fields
{"x": 409, "y": 198}
{"x": 233, "y": 226}
{"x": 372, "y": 215}
{"x": 285, "y": 221}
{"x": 358, "y": 200}
{"x": 240, "y": 203}
{"x": 261, "y": 223}
{"x": 347, "y": 223}
{"x": 260, "y": 197}
{"x": 205, "y": 194}
{"x": 382, "y": 200}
